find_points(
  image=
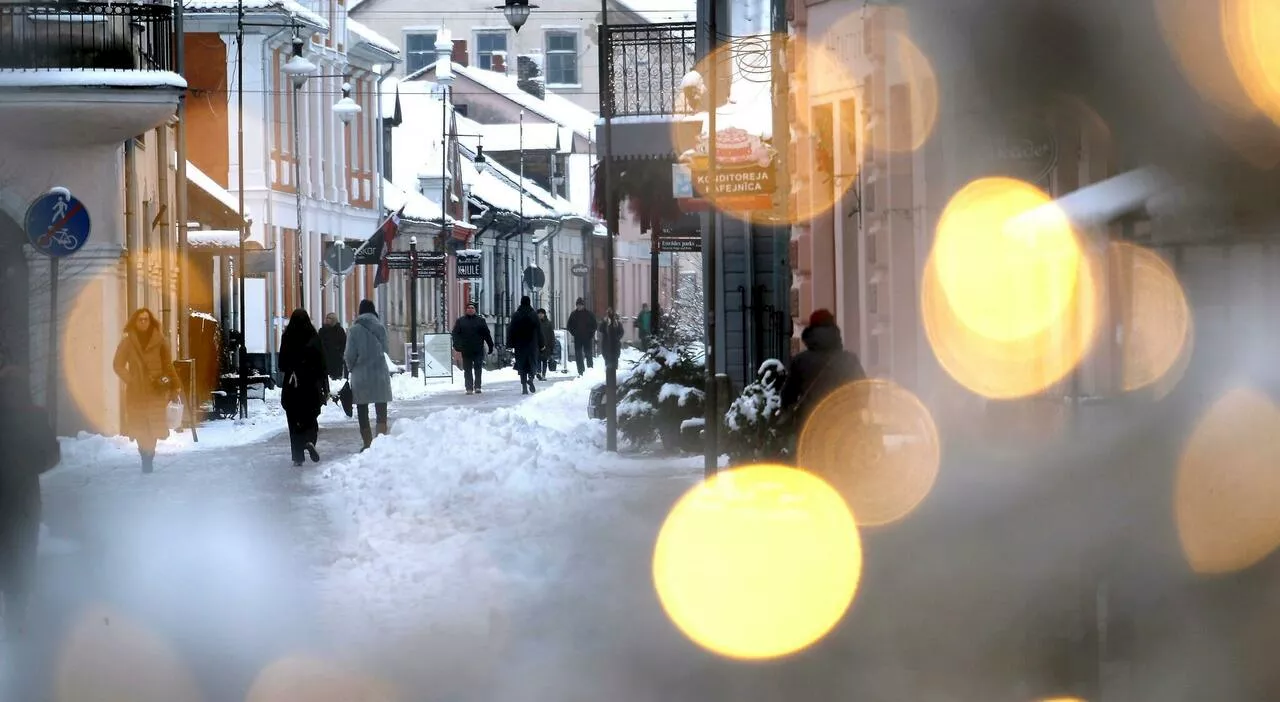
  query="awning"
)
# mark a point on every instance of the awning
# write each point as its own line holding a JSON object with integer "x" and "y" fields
{"x": 209, "y": 203}
{"x": 218, "y": 242}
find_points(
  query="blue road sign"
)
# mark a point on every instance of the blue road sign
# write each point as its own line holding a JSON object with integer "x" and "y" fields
{"x": 57, "y": 224}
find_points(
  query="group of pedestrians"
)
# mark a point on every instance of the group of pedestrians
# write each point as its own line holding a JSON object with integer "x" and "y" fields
{"x": 583, "y": 327}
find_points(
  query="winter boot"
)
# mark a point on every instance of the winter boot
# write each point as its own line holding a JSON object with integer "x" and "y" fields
{"x": 148, "y": 462}
{"x": 382, "y": 429}
{"x": 366, "y": 438}
{"x": 531, "y": 389}
{"x": 312, "y": 452}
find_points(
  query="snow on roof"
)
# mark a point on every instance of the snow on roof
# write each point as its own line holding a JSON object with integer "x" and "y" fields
{"x": 553, "y": 107}
{"x": 416, "y": 205}
{"x": 499, "y": 187}
{"x": 415, "y": 144}
{"x": 371, "y": 37}
{"x": 213, "y": 239}
{"x": 289, "y": 7}
{"x": 91, "y": 78}
{"x": 657, "y": 11}
{"x": 509, "y": 137}
{"x": 207, "y": 184}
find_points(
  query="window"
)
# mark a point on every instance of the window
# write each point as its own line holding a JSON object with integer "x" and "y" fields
{"x": 419, "y": 51}
{"x": 486, "y": 44}
{"x": 873, "y": 299}
{"x": 562, "y": 57}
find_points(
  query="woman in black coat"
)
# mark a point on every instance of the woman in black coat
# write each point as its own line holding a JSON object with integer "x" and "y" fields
{"x": 306, "y": 384}
{"x": 524, "y": 337}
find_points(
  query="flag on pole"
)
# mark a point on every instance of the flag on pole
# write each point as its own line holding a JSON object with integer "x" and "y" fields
{"x": 379, "y": 245}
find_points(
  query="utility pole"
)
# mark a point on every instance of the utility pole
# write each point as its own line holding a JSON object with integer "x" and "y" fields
{"x": 413, "y": 305}
{"x": 242, "y": 360}
{"x": 711, "y": 430}
{"x": 611, "y": 217}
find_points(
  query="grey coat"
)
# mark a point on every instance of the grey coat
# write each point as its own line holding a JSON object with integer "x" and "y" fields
{"x": 366, "y": 358}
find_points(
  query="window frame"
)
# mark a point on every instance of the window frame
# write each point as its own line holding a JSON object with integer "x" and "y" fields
{"x": 547, "y": 53}
{"x": 419, "y": 31}
{"x": 478, "y": 53}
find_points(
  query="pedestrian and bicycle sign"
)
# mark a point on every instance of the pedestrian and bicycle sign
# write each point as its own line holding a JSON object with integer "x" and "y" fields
{"x": 57, "y": 224}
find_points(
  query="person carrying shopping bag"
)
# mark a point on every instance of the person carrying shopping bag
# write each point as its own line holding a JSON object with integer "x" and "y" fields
{"x": 144, "y": 364}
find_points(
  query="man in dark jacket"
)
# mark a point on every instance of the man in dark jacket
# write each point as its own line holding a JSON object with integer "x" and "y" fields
{"x": 470, "y": 337}
{"x": 820, "y": 369}
{"x": 548, "y": 343}
{"x": 28, "y": 447}
{"x": 333, "y": 339}
{"x": 582, "y": 327}
{"x": 524, "y": 337}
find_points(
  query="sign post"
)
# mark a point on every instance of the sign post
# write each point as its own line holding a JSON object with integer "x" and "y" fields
{"x": 57, "y": 225}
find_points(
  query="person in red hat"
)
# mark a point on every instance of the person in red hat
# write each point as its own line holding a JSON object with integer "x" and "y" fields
{"x": 822, "y": 367}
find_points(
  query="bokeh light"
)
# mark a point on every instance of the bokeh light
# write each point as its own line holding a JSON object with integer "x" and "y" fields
{"x": 910, "y": 67}
{"x": 1251, "y": 32}
{"x": 758, "y": 562}
{"x": 303, "y": 678}
{"x": 1008, "y": 295}
{"x": 90, "y": 331}
{"x": 1155, "y": 315}
{"x": 107, "y": 657}
{"x": 1228, "y": 486}
{"x": 877, "y": 445}
{"x": 1196, "y": 36}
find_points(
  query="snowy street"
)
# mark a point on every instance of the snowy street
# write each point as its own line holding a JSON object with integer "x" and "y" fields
{"x": 464, "y": 541}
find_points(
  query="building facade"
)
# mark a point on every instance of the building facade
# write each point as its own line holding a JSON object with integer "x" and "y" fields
{"x": 308, "y": 177}
{"x": 564, "y": 34}
{"x": 94, "y": 125}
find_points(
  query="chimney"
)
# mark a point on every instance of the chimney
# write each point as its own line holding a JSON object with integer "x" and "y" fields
{"x": 460, "y": 55}
{"x": 498, "y": 62}
{"x": 529, "y": 75}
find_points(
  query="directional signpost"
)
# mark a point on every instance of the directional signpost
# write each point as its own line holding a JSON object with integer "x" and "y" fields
{"x": 431, "y": 264}
{"x": 57, "y": 225}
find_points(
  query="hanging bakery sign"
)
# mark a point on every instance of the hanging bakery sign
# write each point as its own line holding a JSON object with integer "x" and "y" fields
{"x": 744, "y": 174}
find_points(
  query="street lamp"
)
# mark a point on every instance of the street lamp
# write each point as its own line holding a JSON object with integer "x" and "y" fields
{"x": 346, "y": 109}
{"x": 516, "y": 12}
{"x": 480, "y": 162}
{"x": 299, "y": 68}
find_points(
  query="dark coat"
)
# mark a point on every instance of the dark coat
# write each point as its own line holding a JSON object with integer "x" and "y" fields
{"x": 822, "y": 367}
{"x": 28, "y": 447}
{"x": 471, "y": 336}
{"x": 333, "y": 339}
{"x": 548, "y": 338}
{"x": 581, "y": 325}
{"x": 141, "y": 363}
{"x": 524, "y": 337}
{"x": 306, "y": 382}
{"x": 611, "y": 332}
{"x": 366, "y": 357}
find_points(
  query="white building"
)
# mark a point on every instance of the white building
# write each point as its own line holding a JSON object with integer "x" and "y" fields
{"x": 332, "y": 168}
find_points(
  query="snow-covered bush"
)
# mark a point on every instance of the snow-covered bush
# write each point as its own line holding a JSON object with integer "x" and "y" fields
{"x": 663, "y": 389}
{"x": 755, "y": 428}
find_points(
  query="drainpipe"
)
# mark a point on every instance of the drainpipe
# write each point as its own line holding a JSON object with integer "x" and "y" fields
{"x": 180, "y": 197}
{"x": 162, "y": 166}
{"x": 130, "y": 224}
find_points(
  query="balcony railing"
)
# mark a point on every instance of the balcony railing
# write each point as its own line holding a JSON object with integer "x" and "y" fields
{"x": 99, "y": 35}
{"x": 644, "y": 64}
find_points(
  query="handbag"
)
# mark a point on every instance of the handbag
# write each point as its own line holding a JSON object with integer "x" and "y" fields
{"x": 174, "y": 413}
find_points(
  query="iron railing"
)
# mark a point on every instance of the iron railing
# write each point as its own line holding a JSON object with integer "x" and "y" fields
{"x": 766, "y": 330}
{"x": 99, "y": 35}
{"x": 644, "y": 64}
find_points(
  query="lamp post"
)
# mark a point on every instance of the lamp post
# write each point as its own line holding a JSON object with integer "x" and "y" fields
{"x": 299, "y": 69}
{"x": 444, "y": 57}
{"x": 611, "y": 218}
{"x": 413, "y": 306}
{"x": 346, "y": 110}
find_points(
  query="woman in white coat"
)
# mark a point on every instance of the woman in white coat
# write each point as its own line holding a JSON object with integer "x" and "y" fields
{"x": 366, "y": 357}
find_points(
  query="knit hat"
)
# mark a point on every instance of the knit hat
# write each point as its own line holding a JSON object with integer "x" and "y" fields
{"x": 580, "y": 302}
{"x": 822, "y": 318}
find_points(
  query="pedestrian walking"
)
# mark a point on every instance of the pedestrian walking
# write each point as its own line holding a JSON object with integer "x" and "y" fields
{"x": 611, "y": 333}
{"x": 819, "y": 370}
{"x": 333, "y": 339}
{"x": 548, "y": 343}
{"x": 28, "y": 447}
{"x": 582, "y": 327}
{"x": 144, "y": 364}
{"x": 306, "y": 384}
{"x": 524, "y": 338}
{"x": 470, "y": 338}
{"x": 644, "y": 325}
{"x": 366, "y": 359}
